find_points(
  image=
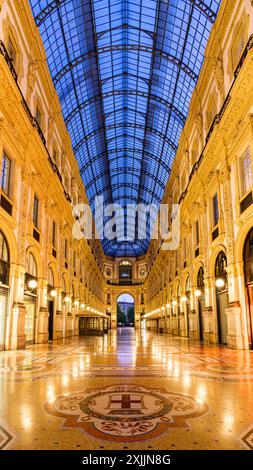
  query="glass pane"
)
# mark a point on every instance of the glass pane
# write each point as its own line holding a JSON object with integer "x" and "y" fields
{"x": 125, "y": 71}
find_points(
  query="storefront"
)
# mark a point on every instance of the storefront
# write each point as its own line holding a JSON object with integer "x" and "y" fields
{"x": 4, "y": 287}
{"x": 51, "y": 294}
{"x": 248, "y": 276}
{"x": 200, "y": 294}
{"x": 30, "y": 298}
{"x": 221, "y": 286}
{"x": 188, "y": 301}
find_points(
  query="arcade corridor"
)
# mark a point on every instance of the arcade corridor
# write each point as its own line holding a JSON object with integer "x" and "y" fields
{"x": 126, "y": 390}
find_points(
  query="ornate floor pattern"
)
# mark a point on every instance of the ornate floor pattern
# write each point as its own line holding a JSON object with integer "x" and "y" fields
{"x": 126, "y": 412}
{"x": 128, "y": 390}
{"x": 6, "y": 437}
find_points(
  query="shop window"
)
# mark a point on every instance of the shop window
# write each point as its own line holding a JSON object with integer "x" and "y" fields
{"x": 215, "y": 208}
{"x": 211, "y": 112}
{"x": 31, "y": 265}
{"x": 54, "y": 237}
{"x": 38, "y": 116}
{"x": 12, "y": 51}
{"x": 245, "y": 172}
{"x": 4, "y": 260}
{"x": 6, "y": 174}
{"x": 125, "y": 271}
{"x": 36, "y": 211}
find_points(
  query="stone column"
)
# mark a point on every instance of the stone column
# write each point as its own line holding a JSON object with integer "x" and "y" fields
{"x": 236, "y": 310}
{"x": 193, "y": 324}
{"x": 16, "y": 318}
{"x": 183, "y": 320}
{"x": 59, "y": 316}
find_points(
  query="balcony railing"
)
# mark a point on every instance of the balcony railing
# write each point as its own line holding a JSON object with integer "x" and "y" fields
{"x": 124, "y": 283}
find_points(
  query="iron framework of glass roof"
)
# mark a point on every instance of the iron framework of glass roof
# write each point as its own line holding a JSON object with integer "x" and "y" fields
{"x": 125, "y": 71}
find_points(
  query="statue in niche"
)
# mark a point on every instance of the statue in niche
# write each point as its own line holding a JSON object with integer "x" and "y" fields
{"x": 51, "y": 122}
{"x": 199, "y": 126}
{"x": 219, "y": 74}
{"x": 31, "y": 77}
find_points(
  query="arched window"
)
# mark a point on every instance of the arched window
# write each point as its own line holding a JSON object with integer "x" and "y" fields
{"x": 64, "y": 286}
{"x": 73, "y": 293}
{"x": 178, "y": 292}
{"x": 31, "y": 265}
{"x": 187, "y": 285}
{"x": 4, "y": 260}
{"x": 50, "y": 277}
{"x": 200, "y": 279}
{"x": 221, "y": 264}
{"x": 211, "y": 110}
{"x": 125, "y": 271}
{"x": 248, "y": 257}
{"x": 183, "y": 182}
{"x": 194, "y": 151}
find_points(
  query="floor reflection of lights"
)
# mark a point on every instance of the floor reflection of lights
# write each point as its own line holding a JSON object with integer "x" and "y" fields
{"x": 219, "y": 378}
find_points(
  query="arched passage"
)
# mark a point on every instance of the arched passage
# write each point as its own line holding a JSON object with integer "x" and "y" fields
{"x": 4, "y": 286}
{"x": 248, "y": 278}
{"x": 125, "y": 310}
{"x": 221, "y": 287}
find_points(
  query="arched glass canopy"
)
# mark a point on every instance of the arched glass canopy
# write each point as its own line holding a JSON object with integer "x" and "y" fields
{"x": 125, "y": 71}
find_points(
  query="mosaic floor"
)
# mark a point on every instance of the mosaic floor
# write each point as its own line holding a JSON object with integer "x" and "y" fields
{"x": 127, "y": 390}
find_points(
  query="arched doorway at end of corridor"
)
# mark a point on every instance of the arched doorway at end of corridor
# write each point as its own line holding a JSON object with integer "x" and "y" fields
{"x": 125, "y": 310}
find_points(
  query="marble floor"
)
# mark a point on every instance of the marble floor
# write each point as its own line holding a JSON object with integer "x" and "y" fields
{"x": 126, "y": 390}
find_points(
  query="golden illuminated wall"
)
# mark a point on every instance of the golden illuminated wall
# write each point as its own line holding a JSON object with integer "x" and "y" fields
{"x": 213, "y": 168}
{"x": 42, "y": 166}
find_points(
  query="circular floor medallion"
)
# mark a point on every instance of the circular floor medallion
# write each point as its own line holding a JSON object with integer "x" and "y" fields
{"x": 126, "y": 412}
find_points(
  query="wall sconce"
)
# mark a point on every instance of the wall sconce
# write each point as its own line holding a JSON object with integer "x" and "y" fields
{"x": 174, "y": 303}
{"x": 67, "y": 299}
{"x": 184, "y": 299}
{"x": 168, "y": 305}
{"x": 53, "y": 293}
{"x": 220, "y": 282}
{"x": 82, "y": 306}
{"x": 197, "y": 293}
{"x": 32, "y": 284}
{"x": 76, "y": 303}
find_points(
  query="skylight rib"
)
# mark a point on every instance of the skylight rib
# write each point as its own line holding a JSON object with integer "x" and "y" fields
{"x": 125, "y": 71}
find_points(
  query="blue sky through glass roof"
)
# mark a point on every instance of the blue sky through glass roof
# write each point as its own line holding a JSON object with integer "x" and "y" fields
{"x": 125, "y": 71}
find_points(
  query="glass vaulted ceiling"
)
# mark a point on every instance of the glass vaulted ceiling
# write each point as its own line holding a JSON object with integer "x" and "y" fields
{"x": 125, "y": 71}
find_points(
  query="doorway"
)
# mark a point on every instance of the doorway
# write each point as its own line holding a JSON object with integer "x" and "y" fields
{"x": 30, "y": 305}
{"x": 248, "y": 277}
{"x": 51, "y": 320}
{"x": 3, "y": 315}
{"x": 201, "y": 302}
{"x": 221, "y": 286}
{"x": 125, "y": 310}
{"x": 4, "y": 288}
